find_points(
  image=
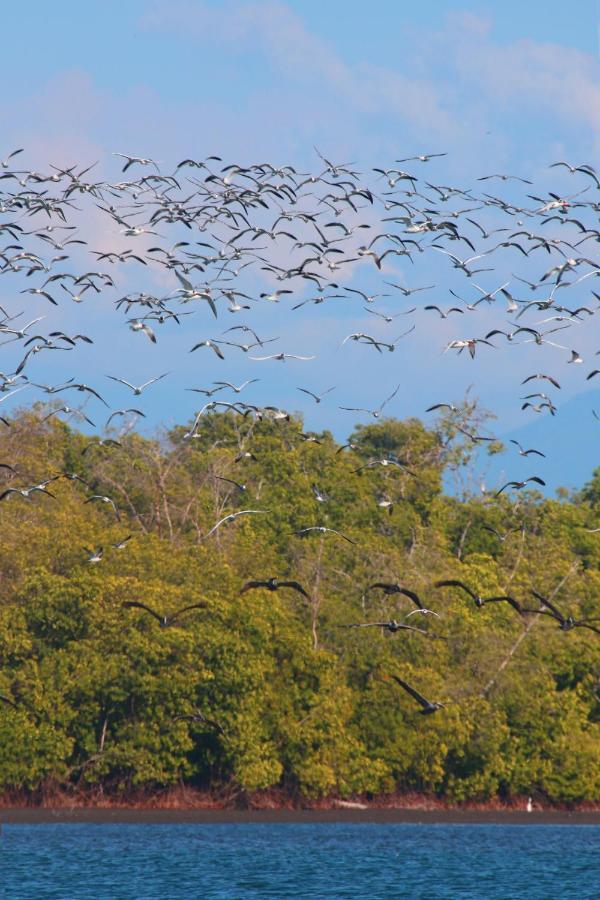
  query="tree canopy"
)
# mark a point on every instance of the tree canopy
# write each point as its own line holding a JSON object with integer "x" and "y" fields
{"x": 269, "y": 687}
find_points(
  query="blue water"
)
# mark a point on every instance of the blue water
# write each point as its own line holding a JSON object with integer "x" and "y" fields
{"x": 213, "y": 862}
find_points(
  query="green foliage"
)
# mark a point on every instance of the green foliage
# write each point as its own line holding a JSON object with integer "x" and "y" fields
{"x": 96, "y": 694}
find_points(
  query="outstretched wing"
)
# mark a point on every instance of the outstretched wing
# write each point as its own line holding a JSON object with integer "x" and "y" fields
{"x": 251, "y": 585}
{"x": 134, "y": 604}
{"x": 514, "y": 603}
{"x": 459, "y": 584}
{"x": 8, "y": 701}
{"x": 413, "y": 693}
{"x": 547, "y": 603}
{"x": 412, "y": 596}
{"x": 296, "y": 586}
{"x": 339, "y": 534}
{"x": 185, "y": 609}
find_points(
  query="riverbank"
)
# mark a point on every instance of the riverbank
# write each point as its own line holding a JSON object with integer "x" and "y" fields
{"x": 104, "y": 816}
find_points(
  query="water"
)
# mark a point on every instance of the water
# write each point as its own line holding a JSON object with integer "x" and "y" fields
{"x": 219, "y": 862}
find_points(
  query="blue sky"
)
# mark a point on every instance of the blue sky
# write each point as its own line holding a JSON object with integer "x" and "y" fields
{"x": 500, "y": 87}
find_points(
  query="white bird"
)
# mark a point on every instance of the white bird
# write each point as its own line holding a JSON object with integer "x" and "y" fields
{"x": 140, "y": 160}
{"x": 281, "y": 357}
{"x": 137, "y": 389}
{"x": 231, "y": 518}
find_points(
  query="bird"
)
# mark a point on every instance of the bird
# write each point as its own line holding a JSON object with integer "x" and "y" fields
{"x": 164, "y": 620}
{"x": 281, "y": 357}
{"x": 27, "y": 492}
{"x": 95, "y": 556}
{"x": 523, "y": 452}
{"x": 212, "y": 345}
{"x": 273, "y": 584}
{"x": 566, "y": 623}
{"x": 101, "y": 498}
{"x": 137, "y": 389}
{"x": 199, "y": 717}
{"x": 235, "y": 388}
{"x": 138, "y": 325}
{"x": 445, "y": 313}
{"x": 320, "y": 529}
{"x": 123, "y": 412}
{"x": 232, "y": 517}
{"x": 424, "y": 157}
{"x": 521, "y": 484}
{"x": 427, "y": 706}
{"x": 478, "y": 600}
{"x": 237, "y": 484}
{"x": 136, "y": 160}
{"x": 373, "y": 412}
{"x": 6, "y": 161}
{"x": 101, "y": 442}
{"x": 501, "y": 537}
{"x": 392, "y": 626}
{"x": 316, "y": 397}
{"x": 449, "y": 406}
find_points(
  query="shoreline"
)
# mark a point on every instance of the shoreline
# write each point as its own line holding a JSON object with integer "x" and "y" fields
{"x": 375, "y": 816}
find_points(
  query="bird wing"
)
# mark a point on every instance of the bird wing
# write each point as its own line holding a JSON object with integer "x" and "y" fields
{"x": 411, "y": 690}
{"x": 251, "y": 585}
{"x": 296, "y": 586}
{"x": 185, "y": 609}
{"x": 549, "y": 605}
{"x": 134, "y": 604}
{"x": 514, "y": 603}
{"x": 339, "y": 534}
{"x": 9, "y": 491}
{"x": 121, "y": 381}
{"x": 412, "y": 596}
{"x": 585, "y": 625}
{"x": 459, "y": 584}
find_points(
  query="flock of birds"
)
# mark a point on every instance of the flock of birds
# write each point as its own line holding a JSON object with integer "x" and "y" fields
{"x": 210, "y": 240}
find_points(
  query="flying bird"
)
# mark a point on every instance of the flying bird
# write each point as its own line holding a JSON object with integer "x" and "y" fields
{"x": 427, "y": 706}
{"x": 479, "y": 600}
{"x": 232, "y": 517}
{"x": 521, "y": 484}
{"x": 164, "y": 620}
{"x": 273, "y": 584}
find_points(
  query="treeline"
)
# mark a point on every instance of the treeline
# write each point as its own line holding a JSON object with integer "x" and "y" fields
{"x": 268, "y": 689}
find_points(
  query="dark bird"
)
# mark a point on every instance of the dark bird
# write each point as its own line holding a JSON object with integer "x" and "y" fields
{"x": 427, "y": 705}
{"x": 523, "y": 452}
{"x": 273, "y": 584}
{"x": 521, "y": 484}
{"x": 237, "y": 484}
{"x": 164, "y": 621}
{"x": 480, "y": 601}
{"x": 316, "y": 397}
{"x": 501, "y": 537}
{"x": 392, "y": 626}
{"x": 197, "y": 716}
{"x": 566, "y": 623}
